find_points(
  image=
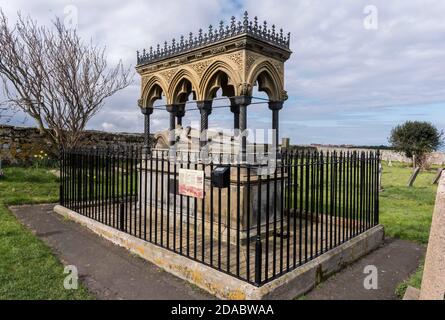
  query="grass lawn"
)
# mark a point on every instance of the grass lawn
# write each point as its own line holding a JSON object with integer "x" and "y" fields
{"x": 406, "y": 212}
{"x": 28, "y": 269}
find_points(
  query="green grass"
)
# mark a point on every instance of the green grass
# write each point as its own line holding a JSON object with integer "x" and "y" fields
{"x": 414, "y": 281}
{"x": 406, "y": 212}
{"x": 28, "y": 268}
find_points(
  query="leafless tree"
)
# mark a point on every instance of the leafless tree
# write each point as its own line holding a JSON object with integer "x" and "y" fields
{"x": 55, "y": 77}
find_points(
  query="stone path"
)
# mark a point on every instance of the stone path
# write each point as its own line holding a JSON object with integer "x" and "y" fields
{"x": 109, "y": 271}
{"x": 396, "y": 260}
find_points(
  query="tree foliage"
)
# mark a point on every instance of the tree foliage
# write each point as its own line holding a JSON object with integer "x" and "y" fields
{"x": 55, "y": 77}
{"x": 416, "y": 139}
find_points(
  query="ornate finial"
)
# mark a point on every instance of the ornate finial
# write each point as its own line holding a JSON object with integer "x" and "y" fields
{"x": 246, "y": 21}
{"x": 222, "y": 31}
{"x": 137, "y": 54}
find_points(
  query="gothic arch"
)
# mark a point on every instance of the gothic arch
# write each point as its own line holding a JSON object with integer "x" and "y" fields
{"x": 183, "y": 82}
{"x": 268, "y": 79}
{"x": 153, "y": 91}
{"x": 219, "y": 75}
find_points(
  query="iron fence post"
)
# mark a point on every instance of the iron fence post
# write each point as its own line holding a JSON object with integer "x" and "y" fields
{"x": 61, "y": 178}
{"x": 258, "y": 254}
{"x": 121, "y": 216}
{"x": 61, "y": 195}
{"x": 377, "y": 189}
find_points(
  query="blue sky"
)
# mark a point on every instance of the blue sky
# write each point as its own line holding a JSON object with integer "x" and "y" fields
{"x": 346, "y": 84}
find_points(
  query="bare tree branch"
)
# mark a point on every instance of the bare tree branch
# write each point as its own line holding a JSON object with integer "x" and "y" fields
{"x": 56, "y": 78}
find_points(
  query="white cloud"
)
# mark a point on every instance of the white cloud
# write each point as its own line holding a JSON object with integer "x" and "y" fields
{"x": 338, "y": 77}
{"x": 107, "y": 126}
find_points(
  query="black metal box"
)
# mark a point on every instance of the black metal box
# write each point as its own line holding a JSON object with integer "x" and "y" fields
{"x": 221, "y": 177}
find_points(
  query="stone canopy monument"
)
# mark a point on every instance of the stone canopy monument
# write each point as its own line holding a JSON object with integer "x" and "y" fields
{"x": 234, "y": 215}
{"x": 233, "y": 58}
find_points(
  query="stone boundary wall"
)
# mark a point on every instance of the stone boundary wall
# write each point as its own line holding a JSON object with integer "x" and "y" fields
{"x": 436, "y": 158}
{"x": 19, "y": 145}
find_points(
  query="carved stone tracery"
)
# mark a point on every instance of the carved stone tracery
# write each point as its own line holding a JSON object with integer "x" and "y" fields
{"x": 246, "y": 57}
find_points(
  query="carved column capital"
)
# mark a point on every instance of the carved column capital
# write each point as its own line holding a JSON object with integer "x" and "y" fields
{"x": 178, "y": 110}
{"x": 205, "y": 105}
{"x": 242, "y": 100}
{"x": 276, "y": 105}
{"x": 147, "y": 111}
{"x": 233, "y": 106}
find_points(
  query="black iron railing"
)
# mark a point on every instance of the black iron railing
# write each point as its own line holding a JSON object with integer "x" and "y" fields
{"x": 256, "y": 228}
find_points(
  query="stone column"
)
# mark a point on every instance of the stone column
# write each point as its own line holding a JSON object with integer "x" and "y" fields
{"x": 172, "y": 109}
{"x": 147, "y": 112}
{"x": 235, "y": 110}
{"x": 243, "y": 102}
{"x": 275, "y": 106}
{"x": 205, "y": 108}
{"x": 180, "y": 114}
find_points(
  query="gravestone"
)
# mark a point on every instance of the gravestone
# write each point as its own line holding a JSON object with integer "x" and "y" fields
{"x": 380, "y": 177}
{"x": 221, "y": 148}
{"x": 437, "y": 176}
{"x": 413, "y": 177}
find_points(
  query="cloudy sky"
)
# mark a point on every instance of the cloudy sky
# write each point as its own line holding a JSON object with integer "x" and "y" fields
{"x": 348, "y": 81}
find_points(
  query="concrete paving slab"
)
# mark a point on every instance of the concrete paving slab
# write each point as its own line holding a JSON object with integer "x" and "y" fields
{"x": 395, "y": 260}
{"x": 109, "y": 271}
{"x": 112, "y": 272}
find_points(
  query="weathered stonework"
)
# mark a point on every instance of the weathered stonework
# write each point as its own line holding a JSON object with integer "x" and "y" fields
{"x": 235, "y": 64}
{"x": 18, "y": 145}
{"x": 287, "y": 286}
{"x": 433, "y": 158}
